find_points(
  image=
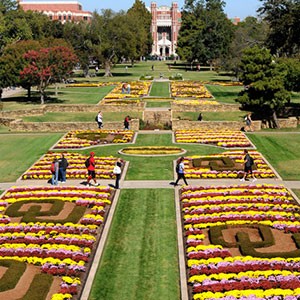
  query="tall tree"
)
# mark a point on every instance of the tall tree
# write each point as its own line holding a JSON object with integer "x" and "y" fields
{"x": 139, "y": 18}
{"x": 47, "y": 65}
{"x": 247, "y": 33}
{"x": 205, "y": 33}
{"x": 264, "y": 81}
{"x": 283, "y": 17}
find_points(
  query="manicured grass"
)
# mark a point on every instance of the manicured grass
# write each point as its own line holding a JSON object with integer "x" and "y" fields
{"x": 160, "y": 89}
{"x": 281, "y": 150}
{"x": 212, "y": 116}
{"x": 140, "y": 260}
{"x": 295, "y": 98}
{"x": 161, "y": 103}
{"x": 224, "y": 94}
{"x": 19, "y": 151}
{"x": 81, "y": 117}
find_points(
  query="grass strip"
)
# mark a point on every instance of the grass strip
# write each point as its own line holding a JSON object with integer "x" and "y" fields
{"x": 281, "y": 150}
{"x": 140, "y": 260}
{"x": 160, "y": 89}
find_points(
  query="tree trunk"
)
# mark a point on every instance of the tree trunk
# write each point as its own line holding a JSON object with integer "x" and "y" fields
{"x": 275, "y": 120}
{"x": 210, "y": 66}
{"x": 29, "y": 93}
{"x": 56, "y": 89}
{"x": 107, "y": 69}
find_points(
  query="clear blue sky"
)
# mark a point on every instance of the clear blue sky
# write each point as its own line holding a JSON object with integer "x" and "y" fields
{"x": 234, "y": 8}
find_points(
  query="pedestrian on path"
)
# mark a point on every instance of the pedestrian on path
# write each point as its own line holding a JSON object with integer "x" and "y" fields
{"x": 117, "y": 172}
{"x": 54, "y": 170}
{"x": 248, "y": 163}
{"x": 63, "y": 165}
{"x": 126, "y": 123}
{"x": 180, "y": 171}
{"x": 99, "y": 119}
{"x": 248, "y": 121}
{"x": 90, "y": 164}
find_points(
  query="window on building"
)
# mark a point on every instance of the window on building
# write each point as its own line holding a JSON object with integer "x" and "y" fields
{"x": 59, "y": 18}
{"x": 85, "y": 18}
{"x": 51, "y": 17}
{"x": 69, "y": 17}
{"x": 65, "y": 17}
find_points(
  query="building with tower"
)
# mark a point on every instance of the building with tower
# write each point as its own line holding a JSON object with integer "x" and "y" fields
{"x": 165, "y": 26}
{"x": 62, "y": 11}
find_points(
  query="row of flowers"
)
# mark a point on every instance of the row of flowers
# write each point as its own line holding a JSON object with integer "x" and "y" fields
{"x": 261, "y": 169}
{"x": 189, "y": 89}
{"x": 60, "y": 249}
{"x": 152, "y": 150}
{"x": 137, "y": 89}
{"x": 74, "y": 139}
{"x": 221, "y": 138}
{"x": 216, "y": 272}
{"x": 196, "y": 102}
{"x": 76, "y": 168}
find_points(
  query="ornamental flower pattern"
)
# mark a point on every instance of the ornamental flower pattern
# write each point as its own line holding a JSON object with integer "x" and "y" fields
{"x": 261, "y": 170}
{"x": 220, "y": 138}
{"x": 137, "y": 89}
{"x": 58, "y": 248}
{"x": 76, "y": 168}
{"x": 218, "y": 272}
{"x": 189, "y": 89}
{"x": 74, "y": 139}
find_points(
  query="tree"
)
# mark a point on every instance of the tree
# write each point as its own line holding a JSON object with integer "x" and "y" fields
{"x": 263, "y": 81}
{"x": 283, "y": 17}
{"x": 112, "y": 38}
{"x": 205, "y": 32}
{"x": 291, "y": 67}
{"x": 140, "y": 21}
{"x": 247, "y": 33}
{"x": 47, "y": 65}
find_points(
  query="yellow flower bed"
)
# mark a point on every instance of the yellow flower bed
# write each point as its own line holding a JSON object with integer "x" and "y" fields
{"x": 189, "y": 89}
{"x": 159, "y": 150}
{"x": 196, "y": 102}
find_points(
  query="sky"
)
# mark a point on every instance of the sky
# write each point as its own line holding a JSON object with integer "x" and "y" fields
{"x": 233, "y": 8}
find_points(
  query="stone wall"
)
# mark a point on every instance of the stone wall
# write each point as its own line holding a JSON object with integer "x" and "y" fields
{"x": 157, "y": 116}
{"x": 205, "y": 107}
{"x": 291, "y": 122}
{"x": 208, "y": 125}
{"x": 19, "y": 125}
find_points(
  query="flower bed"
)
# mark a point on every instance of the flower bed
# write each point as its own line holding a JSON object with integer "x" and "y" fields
{"x": 76, "y": 168}
{"x": 56, "y": 247}
{"x": 242, "y": 242}
{"x": 225, "y": 165}
{"x": 189, "y": 89}
{"x": 94, "y": 84}
{"x": 196, "y": 102}
{"x": 151, "y": 150}
{"x": 79, "y": 139}
{"x": 137, "y": 89}
{"x": 220, "y": 138}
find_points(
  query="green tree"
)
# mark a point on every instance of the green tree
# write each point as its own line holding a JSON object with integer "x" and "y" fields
{"x": 263, "y": 81}
{"x": 291, "y": 67}
{"x": 283, "y": 17}
{"x": 205, "y": 33}
{"x": 247, "y": 33}
{"x": 139, "y": 19}
{"x": 112, "y": 38}
{"x": 7, "y": 5}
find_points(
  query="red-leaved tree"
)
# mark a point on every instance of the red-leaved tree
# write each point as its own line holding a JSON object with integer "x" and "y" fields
{"x": 48, "y": 65}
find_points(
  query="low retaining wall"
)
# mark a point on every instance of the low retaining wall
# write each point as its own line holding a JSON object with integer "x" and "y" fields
{"x": 204, "y": 107}
{"x": 209, "y": 125}
{"x": 19, "y": 125}
{"x": 291, "y": 122}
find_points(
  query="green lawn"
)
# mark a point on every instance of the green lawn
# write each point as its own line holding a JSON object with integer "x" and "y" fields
{"x": 160, "y": 89}
{"x": 140, "y": 260}
{"x": 162, "y": 103}
{"x": 81, "y": 117}
{"x": 282, "y": 151}
{"x": 19, "y": 151}
{"x": 224, "y": 94}
{"x": 212, "y": 116}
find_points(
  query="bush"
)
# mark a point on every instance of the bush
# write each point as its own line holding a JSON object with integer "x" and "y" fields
{"x": 177, "y": 76}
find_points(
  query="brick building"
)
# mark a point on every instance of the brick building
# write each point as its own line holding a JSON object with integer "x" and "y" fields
{"x": 58, "y": 10}
{"x": 165, "y": 26}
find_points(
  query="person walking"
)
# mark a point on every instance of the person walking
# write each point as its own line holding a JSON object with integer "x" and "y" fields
{"x": 99, "y": 120}
{"x": 117, "y": 172}
{"x": 90, "y": 164}
{"x": 180, "y": 171}
{"x": 126, "y": 123}
{"x": 54, "y": 170}
{"x": 128, "y": 88}
{"x": 248, "y": 163}
{"x": 248, "y": 121}
{"x": 63, "y": 165}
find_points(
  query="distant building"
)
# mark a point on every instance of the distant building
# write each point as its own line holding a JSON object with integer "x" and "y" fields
{"x": 58, "y": 10}
{"x": 235, "y": 20}
{"x": 165, "y": 26}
